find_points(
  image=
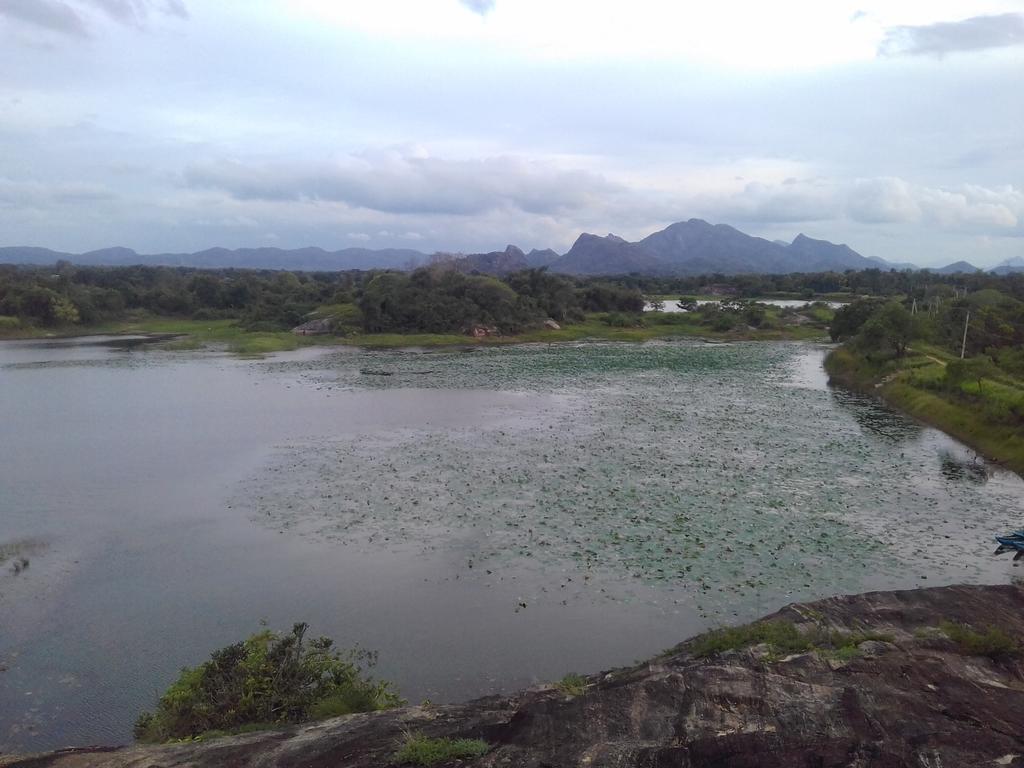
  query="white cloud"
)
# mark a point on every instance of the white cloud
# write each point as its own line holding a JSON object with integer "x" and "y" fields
{"x": 967, "y": 208}
{"x": 394, "y": 181}
{"x": 33, "y": 194}
{"x": 77, "y": 18}
{"x": 882, "y": 200}
{"x": 974, "y": 34}
{"x": 482, "y": 7}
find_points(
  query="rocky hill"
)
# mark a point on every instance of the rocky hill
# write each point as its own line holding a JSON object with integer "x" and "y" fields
{"x": 696, "y": 247}
{"x": 501, "y": 263}
{"x": 881, "y": 680}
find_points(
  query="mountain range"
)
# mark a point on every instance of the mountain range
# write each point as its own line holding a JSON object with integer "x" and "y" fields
{"x": 304, "y": 259}
{"x": 685, "y": 248}
{"x": 697, "y": 247}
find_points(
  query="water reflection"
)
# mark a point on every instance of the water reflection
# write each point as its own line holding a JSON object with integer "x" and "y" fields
{"x": 876, "y": 419}
{"x": 961, "y": 469}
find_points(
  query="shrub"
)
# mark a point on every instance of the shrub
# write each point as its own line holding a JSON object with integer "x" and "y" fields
{"x": 780, "y": 635}
{"x": 268, "y": 679}
{"x": 419, "y": 750}
{"x": 783, "y": 637}
{"x": 993, "y": 642}
{"x": 619, "y": 320}
{"x": 572, "y": 684}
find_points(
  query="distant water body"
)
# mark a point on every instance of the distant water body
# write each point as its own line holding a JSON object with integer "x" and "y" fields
{"x": 673, "y": 305}
{"x": 484, "y": 519}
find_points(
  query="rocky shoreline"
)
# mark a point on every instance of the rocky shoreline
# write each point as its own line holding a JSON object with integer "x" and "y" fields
{"x": 917, "y": 698}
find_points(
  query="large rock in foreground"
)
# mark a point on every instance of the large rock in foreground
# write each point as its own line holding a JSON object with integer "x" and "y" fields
{"x": 916, "y": 699}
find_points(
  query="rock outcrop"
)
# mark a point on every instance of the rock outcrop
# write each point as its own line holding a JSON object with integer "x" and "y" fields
{"x": 915, "y": 698}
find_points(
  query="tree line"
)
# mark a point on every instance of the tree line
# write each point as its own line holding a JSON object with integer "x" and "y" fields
{"x": 430, "y": 299}
{"x": 865, "y": 282}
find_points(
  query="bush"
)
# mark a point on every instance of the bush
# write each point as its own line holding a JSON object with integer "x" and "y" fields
{"x": 782, "y": 637}
{"x": 572, "y": 684}
{"x": 268, "y": 679}
{"x": 993, "y": 642}
{"x": 419, "y": 750}
{"x": 619, "y": 320}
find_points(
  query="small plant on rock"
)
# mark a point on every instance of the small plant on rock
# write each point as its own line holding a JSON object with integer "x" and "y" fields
{"x": 572, "y": 684}
{"x": 993, "y": 642}
{"x": 420, "y": 750}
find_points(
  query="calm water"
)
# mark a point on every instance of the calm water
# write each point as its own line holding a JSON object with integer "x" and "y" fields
{"x": 673, "y": 306}
{"x": 485, "y": 520}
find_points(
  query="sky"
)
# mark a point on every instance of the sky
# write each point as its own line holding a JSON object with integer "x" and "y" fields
{"x": 896, "y": 127}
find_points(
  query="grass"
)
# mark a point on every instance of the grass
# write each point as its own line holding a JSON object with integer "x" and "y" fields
{"x": 782, "y": 638}
{"x": 420, "y": 750}
{"x": 993, "y": 642}
{"x": 572, "y": 684}
{"x": 196, "y": 334}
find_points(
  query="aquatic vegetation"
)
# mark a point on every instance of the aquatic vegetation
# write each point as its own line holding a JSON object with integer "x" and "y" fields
{"x": 698, "y": 470}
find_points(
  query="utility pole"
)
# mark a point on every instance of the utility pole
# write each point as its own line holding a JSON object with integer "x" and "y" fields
{"x": 963, "y": 344}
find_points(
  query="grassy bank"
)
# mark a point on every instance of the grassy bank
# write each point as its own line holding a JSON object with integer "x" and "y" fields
{"x": 195, "y": 334}
{"x": 979, "y": 415}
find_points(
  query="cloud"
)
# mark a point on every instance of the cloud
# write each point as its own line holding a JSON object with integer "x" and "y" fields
{"x": 71, "y": 17}
{"x": 136, "y": 12}
{"x": 967, "y": 208}
{"x": 973, "y": 34}
{"x": 483, "y": 7}
{"x": 883, "y": 200}
{"x": 33, "y": 194}
{"x": 398, "y": 182}
{"x": 792, "y": 201}
{"x": 51, "y": 15}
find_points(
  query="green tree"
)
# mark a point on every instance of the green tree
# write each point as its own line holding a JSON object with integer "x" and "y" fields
{"x": 891, "y": 326}
{"x": 959, "y": 372}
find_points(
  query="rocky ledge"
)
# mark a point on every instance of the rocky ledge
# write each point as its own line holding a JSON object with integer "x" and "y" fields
{"x": 914, "y": 694}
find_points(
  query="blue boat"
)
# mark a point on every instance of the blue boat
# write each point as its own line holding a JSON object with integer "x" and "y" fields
{"x": 1013, "y": 542}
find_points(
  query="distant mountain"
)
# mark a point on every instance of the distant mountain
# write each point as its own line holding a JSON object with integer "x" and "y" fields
{"x": 307, "y": 259}
{"x": 956, "y": 268}
{"x": 692, "y": 247}
{"x": 25, "y": 254}
{"x": 1016, "y": 264}
{"x": 822, "y": 256}
{"x": 512, "y": 259}
{"x": 609, "y": 255}
{"x": 697, "y": 247}
{"x": 543, "y": 258}
{"x": 897, "y": 265}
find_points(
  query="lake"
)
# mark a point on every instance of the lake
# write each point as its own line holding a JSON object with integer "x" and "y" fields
{"x": 485, "y": 518}
{"x": 672, "y": 305}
